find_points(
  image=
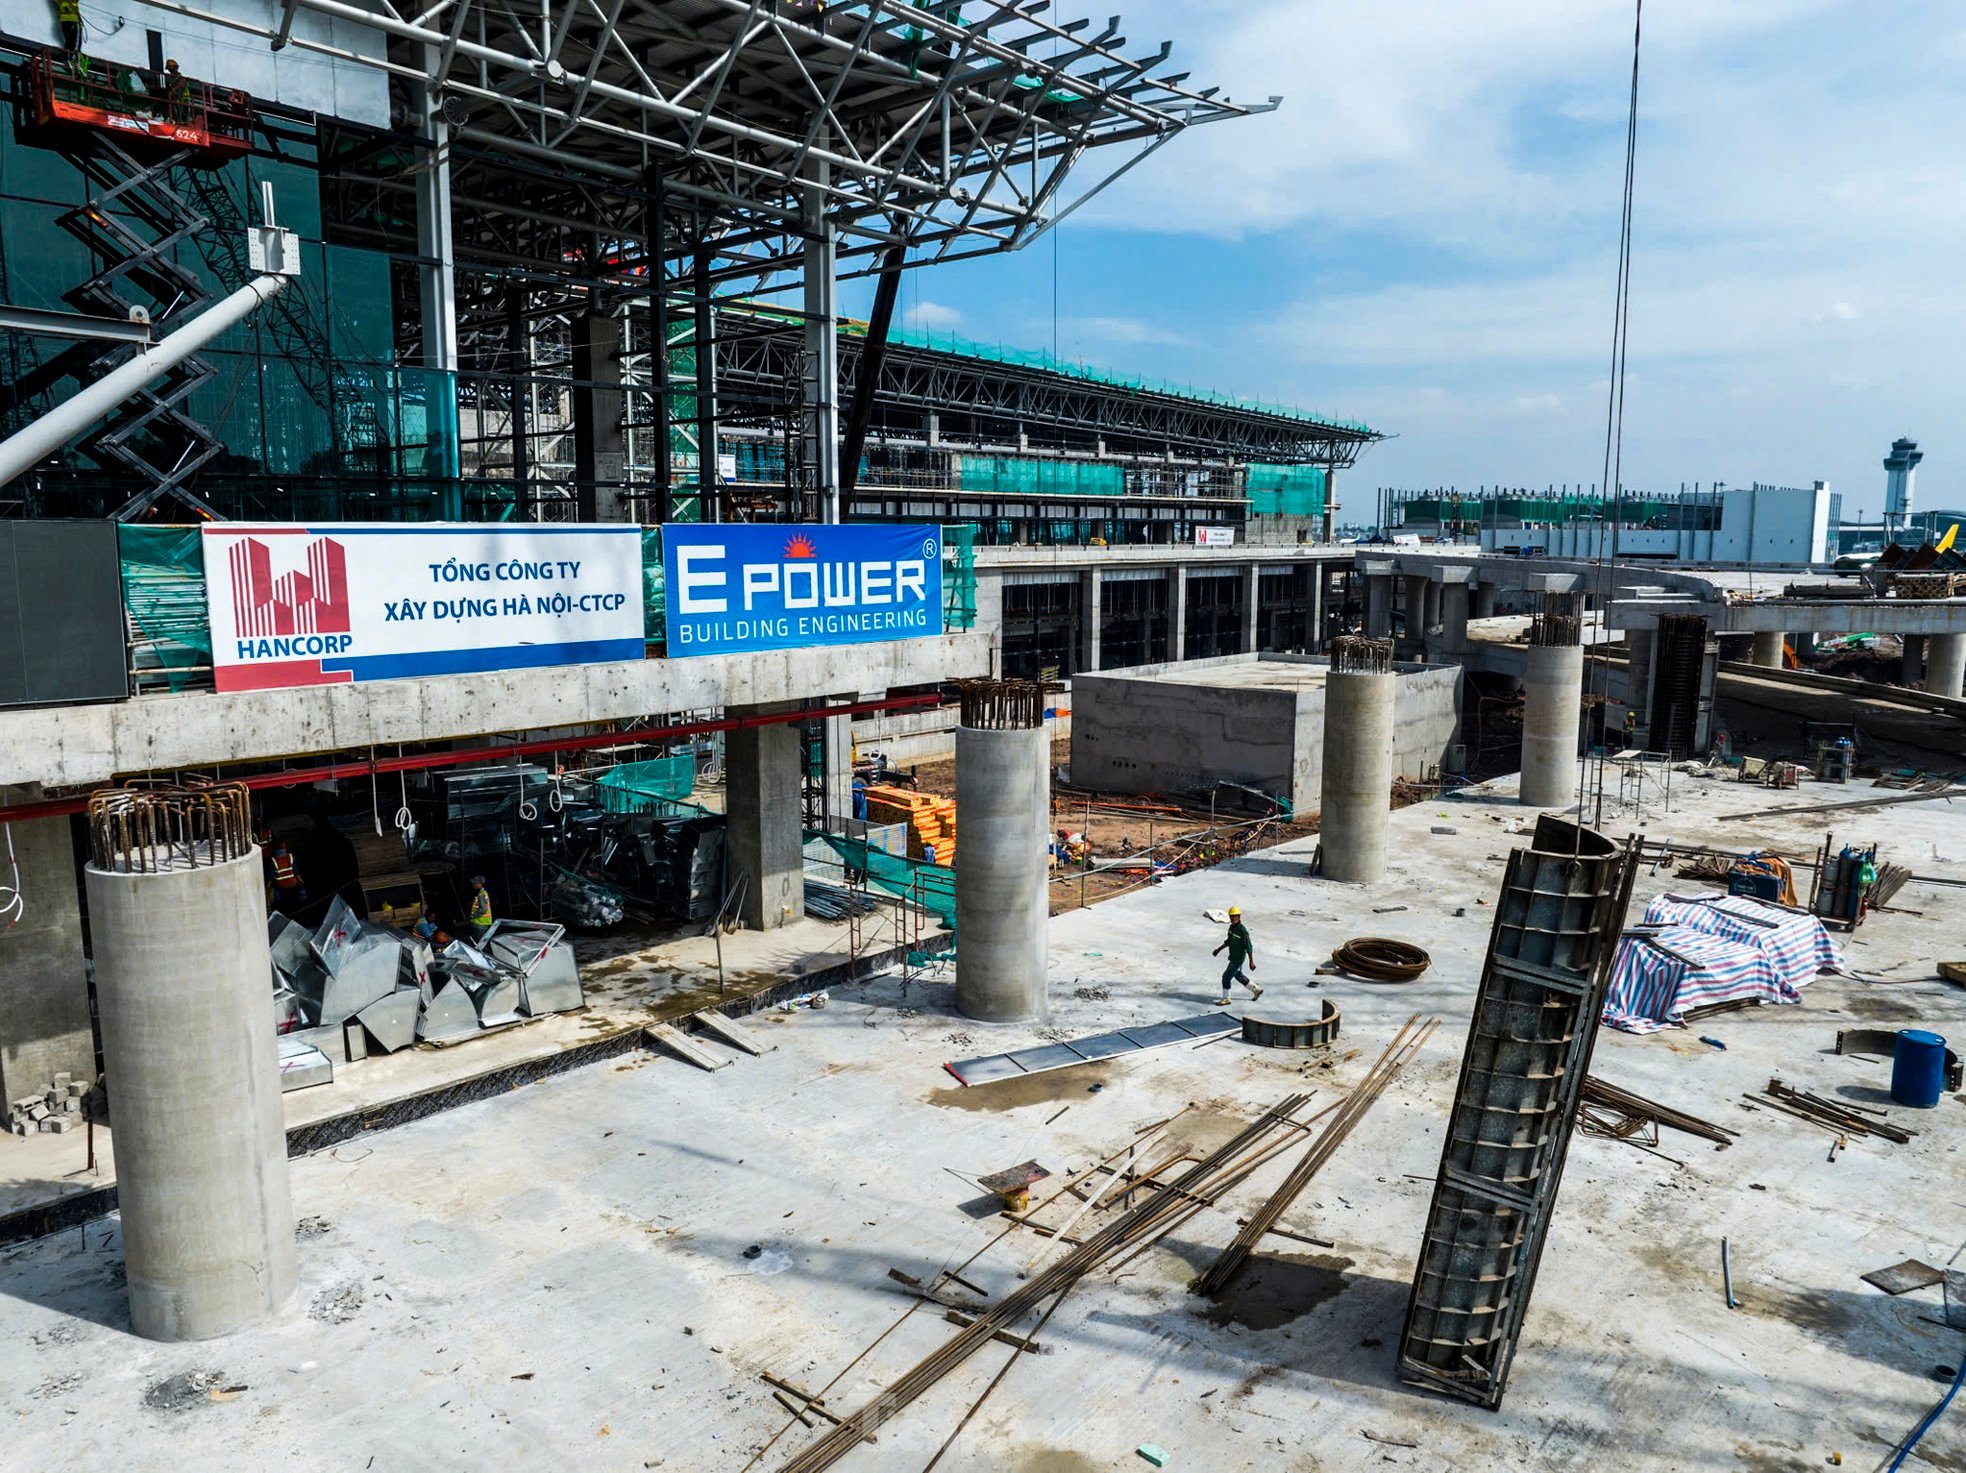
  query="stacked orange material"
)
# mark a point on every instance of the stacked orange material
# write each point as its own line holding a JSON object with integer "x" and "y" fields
{"x": 931, "y": 820}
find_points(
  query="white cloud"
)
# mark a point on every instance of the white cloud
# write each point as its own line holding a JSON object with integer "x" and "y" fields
{"x": 928, "y": 316}
{"x": 1543, "y": 403}
{"x": 1120, "y": 331}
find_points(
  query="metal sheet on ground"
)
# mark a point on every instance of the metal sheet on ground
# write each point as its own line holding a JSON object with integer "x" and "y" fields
{"x": 987, "y": 1068}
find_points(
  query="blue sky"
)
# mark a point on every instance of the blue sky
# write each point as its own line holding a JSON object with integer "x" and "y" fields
{"x": 1424, "y": 237}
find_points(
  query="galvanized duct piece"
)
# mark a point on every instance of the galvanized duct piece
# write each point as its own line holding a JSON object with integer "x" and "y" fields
{"x": 1002, "y": 705}
{"x": 144, "y": 828}
{"x": 1352, "y": 654}
{"x": 1535, "y": 1019}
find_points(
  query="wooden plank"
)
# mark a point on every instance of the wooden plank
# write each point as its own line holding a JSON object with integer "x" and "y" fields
{"x": 727, "y": 1030}
{"x": 672, "y": 1039}
{"x": 1016, "y": 1342}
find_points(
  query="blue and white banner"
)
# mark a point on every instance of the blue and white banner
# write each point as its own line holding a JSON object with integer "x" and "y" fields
{"x": 294, "y": 605}
{"x": 737, "y": 586}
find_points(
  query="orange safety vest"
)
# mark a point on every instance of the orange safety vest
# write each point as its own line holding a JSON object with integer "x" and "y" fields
{"x": 284, "y": 875}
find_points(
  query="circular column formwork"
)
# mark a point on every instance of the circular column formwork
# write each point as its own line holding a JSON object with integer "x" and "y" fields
{"x": 184, "y": 994}
{"x": 1552, "y": 711}
{"x": 1003, "y": 817}
{"x": 1356, "y": 792}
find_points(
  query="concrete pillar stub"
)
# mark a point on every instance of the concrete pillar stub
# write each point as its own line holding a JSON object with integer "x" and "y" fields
{"x": 1357, "y": 786}
{"x": 1945, "y": 664}
{"x": 1552, "y": 710}
{"x": 1003, "y": 818}
{"x": 184, "y": 991}
{"x": 1767, "y": 648}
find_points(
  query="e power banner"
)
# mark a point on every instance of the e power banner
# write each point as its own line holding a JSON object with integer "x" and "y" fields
{"x": 736, "y": 586}
{"x": 294, "y": 605}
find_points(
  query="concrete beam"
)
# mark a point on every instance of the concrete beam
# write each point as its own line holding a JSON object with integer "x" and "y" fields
{"x": 63, "y": 746}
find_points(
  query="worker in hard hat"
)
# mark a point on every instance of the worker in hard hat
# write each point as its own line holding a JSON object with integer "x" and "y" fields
{"x": 177, "y": 93}
{"x": 1241, "y": 950}
{"x": 289, "y": 894}
{"x": 481, "y": 911}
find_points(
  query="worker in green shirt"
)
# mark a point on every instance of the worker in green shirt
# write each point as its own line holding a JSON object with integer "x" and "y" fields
{"x": 1241, "y": 949}
{"x": 481, "y": 910}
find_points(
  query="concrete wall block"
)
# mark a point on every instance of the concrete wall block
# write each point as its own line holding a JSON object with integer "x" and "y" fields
{"x": 44, "y": 999}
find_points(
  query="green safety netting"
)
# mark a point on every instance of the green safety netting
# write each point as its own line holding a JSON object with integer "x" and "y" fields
{"x": 944, "y": 342}
{"x": 959, "y": 576}
{"x": 657, "y": 785}
{"x": 1028, "y": 476}
{"x": 652, "y": 601}
{"x": 932, "y": 886}
{"x": 1285, "y": 490}
{"x": 164, "y": 602}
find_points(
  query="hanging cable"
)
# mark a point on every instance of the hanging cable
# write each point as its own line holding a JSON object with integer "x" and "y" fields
{"x": 1614, "y": 429}
{"x": 12, "y": 905}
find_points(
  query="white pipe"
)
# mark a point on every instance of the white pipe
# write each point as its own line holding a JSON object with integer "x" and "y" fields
{"x": 68, "y": 419}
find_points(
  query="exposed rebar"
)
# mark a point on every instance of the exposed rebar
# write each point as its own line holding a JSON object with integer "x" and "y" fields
{"x": 1002, "y": 705}
{"x": 147, "y": 827}
{"x": 1556, "y": 625}
{"x": 1354, "y": 655}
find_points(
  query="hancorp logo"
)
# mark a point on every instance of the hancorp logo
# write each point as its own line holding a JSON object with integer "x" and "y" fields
{"x": 300, "y": 600}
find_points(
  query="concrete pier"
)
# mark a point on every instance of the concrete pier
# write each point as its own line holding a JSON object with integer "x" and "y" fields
{"x": 1358, "y": 773}
{"x": 184, "y": 989}
{"x": 1003, "y": 813}
{"x": 762, "y": 820}
{"x": 1767, "y": 648}
{"x": 1552, "y": 708}
{"x": 1945, "y": 664}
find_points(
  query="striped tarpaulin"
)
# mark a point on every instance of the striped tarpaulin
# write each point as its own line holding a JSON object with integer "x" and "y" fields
{"x": 1655, "y": 979}
{"x": 1796, "y": 945}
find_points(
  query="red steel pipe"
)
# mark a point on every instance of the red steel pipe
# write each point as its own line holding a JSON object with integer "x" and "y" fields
{"x": 293, "y": 776}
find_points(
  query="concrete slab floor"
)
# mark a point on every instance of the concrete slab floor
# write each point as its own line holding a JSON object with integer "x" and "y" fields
{"x": 561, "y": 1273}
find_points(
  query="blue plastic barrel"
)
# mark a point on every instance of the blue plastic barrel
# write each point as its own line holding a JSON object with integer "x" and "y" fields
{"x": 1918, "y": 1069}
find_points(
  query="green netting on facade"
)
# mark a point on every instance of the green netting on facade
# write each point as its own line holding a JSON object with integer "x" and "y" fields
{"x": 1018, "y": 475}
{"x": 164, "y": 601}
{"x": 1285, "y": 490}
{"x": 652, "y": 587}
{"x": 959, "y": 576}
{"x": 943, "y": 342}
{"x": 657, "y": 785}
{"x": 932, "y": 886}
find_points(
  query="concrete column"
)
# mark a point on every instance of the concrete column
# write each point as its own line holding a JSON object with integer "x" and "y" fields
{"x": 1091, "y": 620}
{"x": 1318, "y": 577}
{"x": 599, "y": 448}
{"x": 1379, "y": 606}
{"x": 1914, "y": 661}
{"x": 1003, "y": 817}
{"x": 836, "y": 751}
{"x": 194, "y": 1094}
{"x": 1177, "y": 613}
{"x": 1553, "y": 702}
{"x": 1453, "y": 618}
{"x": 1641, "y": 656}
{"x": 1945, "y": 664}
{"x": 1252, "y": 583}
{"x": 1434, "y": 605}
{"x": 44, "y": 987}
{"x": 761, "y": 803}
{"x": 1767, "y": 648}
{"x": 1484, "y": 601}
{"x": 1357, "y": 788}
{"x": 1416, "y": 606}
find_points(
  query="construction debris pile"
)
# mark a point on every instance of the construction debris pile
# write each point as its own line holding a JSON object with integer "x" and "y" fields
{"x": 353, "y": 986}
{"x": 56, "y": 1109}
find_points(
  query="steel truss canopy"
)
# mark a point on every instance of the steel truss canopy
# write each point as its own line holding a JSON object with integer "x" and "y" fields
{"x": 949, "y": 129}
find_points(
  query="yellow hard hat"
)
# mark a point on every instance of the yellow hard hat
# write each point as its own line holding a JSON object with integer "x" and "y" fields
{"x": 1235, "y": 910}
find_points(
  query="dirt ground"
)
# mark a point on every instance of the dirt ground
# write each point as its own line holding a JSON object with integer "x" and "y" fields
{"x": 1124, "y": 824}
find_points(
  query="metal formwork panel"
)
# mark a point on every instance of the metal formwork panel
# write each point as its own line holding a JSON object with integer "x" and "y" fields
{"x": 1535, "y": 1020}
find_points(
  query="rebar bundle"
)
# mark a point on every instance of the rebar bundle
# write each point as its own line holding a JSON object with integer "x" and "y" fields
{"x": 1406, "y": 1043}
{"x": 1002, "y": 705}
{"x": 1134, "y": 1230}
{"x": 144, "y": 828}
{"x": 1639, "y": 1110}
{"x": 1353, "y": 655}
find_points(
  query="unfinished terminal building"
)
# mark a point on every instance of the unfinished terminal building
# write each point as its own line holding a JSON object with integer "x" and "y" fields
{"x": 643, "y": 860}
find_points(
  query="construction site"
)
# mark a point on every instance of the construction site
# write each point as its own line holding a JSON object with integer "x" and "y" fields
{"x": 606, "y": 858}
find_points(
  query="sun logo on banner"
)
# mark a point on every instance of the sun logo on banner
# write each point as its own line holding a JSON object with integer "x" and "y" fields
{"x": 801, "y": 546}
